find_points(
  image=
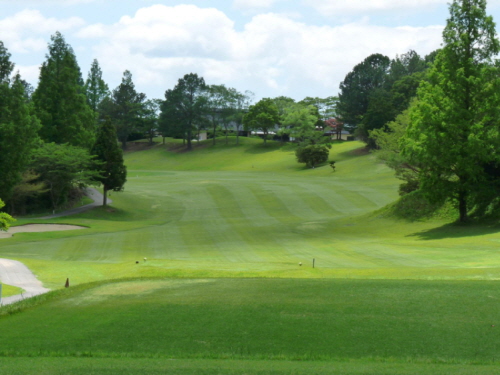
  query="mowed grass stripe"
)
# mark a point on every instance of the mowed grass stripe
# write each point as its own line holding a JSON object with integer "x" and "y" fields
{"x": 272, "y": 204}
{"x": 251, "y": 238}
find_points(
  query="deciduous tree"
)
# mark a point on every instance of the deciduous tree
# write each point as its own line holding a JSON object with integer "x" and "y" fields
{"x": 454, "y": 125}
{"x": 262, "y": 116}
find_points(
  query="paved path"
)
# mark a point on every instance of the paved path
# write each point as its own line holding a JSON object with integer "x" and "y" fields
{"x": 17, "y": 274}
{"x": 91, "y": 193}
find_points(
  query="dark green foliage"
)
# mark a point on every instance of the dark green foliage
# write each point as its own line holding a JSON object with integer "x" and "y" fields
{"x": 312, "y": 155}
{"x": 6, "y": 66}
{"x": 63, "y": 167}
{"x": 5, "y": 219}
{"x": 185, "y": 107}
{"x": 262, "y": 116}
{"x": 113, "y": 173}
{"x": 357, "y": 86}
{"x": 454, "y": 128}
{"x": 95, "y": 87}
{"x": 18, "y": 127}
{"x": 377, "y": 90}
{"x": 125, "y": 108}
{"x": 60, "y": 100}
{"x": 149, "y": 118}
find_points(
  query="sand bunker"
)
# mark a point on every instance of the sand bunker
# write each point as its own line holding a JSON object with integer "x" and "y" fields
{"x": 38, "y": 228}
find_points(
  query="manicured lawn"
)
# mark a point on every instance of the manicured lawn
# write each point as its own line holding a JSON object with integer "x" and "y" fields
{"x": 224, "y": 230}
{"x": 155, "y": 366}
{"x": 454, "y": 322}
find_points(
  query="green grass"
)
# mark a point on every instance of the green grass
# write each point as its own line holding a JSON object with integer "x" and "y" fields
{"x": 9, "y": 290}
{"x": 224, "y": 229}
{"x": 266, "y": 319}
{"x": 252, "y": 211}
{"x": 155, "y": 366}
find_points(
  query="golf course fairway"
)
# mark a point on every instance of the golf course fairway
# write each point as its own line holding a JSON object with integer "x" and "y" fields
{"x": 235, "y": 259}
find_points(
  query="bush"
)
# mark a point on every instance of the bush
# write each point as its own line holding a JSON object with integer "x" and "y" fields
{"x": 312, "y": 155}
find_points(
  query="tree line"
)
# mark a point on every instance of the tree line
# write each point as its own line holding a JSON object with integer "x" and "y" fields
{"x": 62, "y": 135}
{"x": 436, "y": 120}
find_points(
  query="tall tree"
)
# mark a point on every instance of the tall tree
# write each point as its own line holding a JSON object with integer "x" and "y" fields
{"x": 113, "y": 173}
{"x": 358, "y": 85}
{"x": 262, "y": 116}
{"x": 124, "y": 107}
{"x": 18, "y": 127}
{"x": 95, "y": 87}
{"x": 454, "y": 126}
{"x": 241, "y": 106}
{"x": 187, "y": 103}
{"x": 60, "y": 100}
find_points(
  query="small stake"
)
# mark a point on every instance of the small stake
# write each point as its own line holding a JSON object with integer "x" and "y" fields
{"x": 67, "y": 283}
{"x": 314, "y": 260}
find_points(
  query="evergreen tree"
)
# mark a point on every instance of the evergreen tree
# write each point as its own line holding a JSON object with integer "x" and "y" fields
{"x": 60, "y": 100}
{"x": 186, "y": 104}
{"x": 18, "y": 127}
{"x": 113, "y": 171}
{"x": 125, "y": 108}
{"x": 95, "y": 87}
{"x": 454, "y": 126}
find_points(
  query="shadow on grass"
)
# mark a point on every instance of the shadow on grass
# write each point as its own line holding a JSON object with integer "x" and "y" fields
{"x": 263, "y": 147}
{"x": 361, "y": 151}
{"x": 457, "y": 230}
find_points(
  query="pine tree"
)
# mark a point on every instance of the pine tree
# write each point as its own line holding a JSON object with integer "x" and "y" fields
{"x": 18, "y": 127}
{"x": 125, "y": 108}
{"x": 95, "y": 87}
{"x": 60, "y": 100}
{"x": 107, "y": 151}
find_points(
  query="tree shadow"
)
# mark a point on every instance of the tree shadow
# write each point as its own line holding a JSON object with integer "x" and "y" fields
{"x": 456, "y": 230}
{"x": 262, "y": 148}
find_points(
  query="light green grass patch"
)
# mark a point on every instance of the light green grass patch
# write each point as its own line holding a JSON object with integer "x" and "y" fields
{"x": 9, "y": 290}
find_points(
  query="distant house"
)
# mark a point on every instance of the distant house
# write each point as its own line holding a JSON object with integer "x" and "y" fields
{"x": 334, "y": 128}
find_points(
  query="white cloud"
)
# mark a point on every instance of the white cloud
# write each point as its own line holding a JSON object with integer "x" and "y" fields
{"x": 340, "y": 7}
{"x": 254, "y": 5}
{"x": 272, "y": 55}
{"x": 27, "y": 30}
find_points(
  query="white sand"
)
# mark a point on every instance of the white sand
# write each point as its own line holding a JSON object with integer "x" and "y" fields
{"x": 38, "y": 228}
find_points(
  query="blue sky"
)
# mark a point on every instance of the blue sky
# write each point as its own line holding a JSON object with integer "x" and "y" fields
{"x": 271, "y": 47}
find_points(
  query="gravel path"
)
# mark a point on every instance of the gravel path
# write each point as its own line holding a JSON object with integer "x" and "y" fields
{"x": 17, "y": 274}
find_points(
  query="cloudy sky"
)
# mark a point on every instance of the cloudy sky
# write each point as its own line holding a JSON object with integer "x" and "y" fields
{"x": 296, "y": 48}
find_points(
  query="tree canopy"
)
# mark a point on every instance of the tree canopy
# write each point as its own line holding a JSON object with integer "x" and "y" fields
{"x": 60, "y": 100}
{"x": 454, "y": 125}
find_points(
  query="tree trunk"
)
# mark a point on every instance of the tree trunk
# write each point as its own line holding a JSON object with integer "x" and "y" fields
{"x": 105, "y": 197}
{"x": 462, "y": 206}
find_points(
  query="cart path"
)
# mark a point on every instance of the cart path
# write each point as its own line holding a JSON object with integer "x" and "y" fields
{"x": 93, "y": 194}
{"x": 17, "y": 274}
